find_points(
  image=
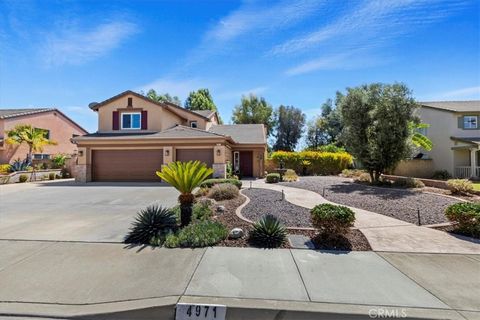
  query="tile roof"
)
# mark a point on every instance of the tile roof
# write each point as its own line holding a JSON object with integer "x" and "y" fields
{"x": 454, "y": 106}
{"x": 205, "y": 113}
{"x": 242, "y": 133}
{"x": 11, "y": 113}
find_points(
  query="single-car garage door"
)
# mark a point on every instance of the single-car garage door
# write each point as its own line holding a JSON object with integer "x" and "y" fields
{"x": 204, "y": 155}
{"x": 126, "y": 165}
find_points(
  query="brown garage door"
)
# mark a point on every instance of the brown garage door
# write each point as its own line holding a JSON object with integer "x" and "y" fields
{"x": 204, "y": 155}
{"x": 126, "y": 165}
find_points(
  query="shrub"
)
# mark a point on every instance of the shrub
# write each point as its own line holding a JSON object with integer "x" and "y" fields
{"x": 199, "y": 234}
{"x": 51, "y": 176}
{"x": 151, "y": 226}
{"x": 4, "y": 168}
{"x": 273, "y": 178}
{"x": 202, "y": 192}
{"x": 320, "y": 163}
{"x": 211, "y": 182}
{"x": 223, "y": 191}
{"x": 270, "y": 165}
{"x": 460, "y": 186}
{"x": 65, "y": 173}
{"x": 290, "y": 176}
{"x": 59, "y": 160}
{"x": 331, "y": 148}
{"x": 23, "y": 178}
{"x": 409, "y": 183}
{"x": 268, "y": 232}
{"x": 19, "y": 165}
{"x": 441, "y": 175}
{"x": 467, "y": 217}
{"x": 332, "y": 220}
{"x": 352, "y": 173}
{"x": 201, "y": 211}
{"x": 364, "y": 177}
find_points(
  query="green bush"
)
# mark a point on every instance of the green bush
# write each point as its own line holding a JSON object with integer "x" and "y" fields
{"x": 460, "y": 186}
{"x": 268, "y": 232}
{"x": 4, "y": 168}
{"x": 211, "y": 182}
{"x": 151, "y": 226}
{"x": 332, "y": 220}
{"x": 319, "y": 162}
{"x": 201, "y": 211}
{"x": 51, "y": 176}
{"x": 197, "y": 234}
{"x": 223, "y": 191}
{"x": 290, "y": 176}
{"x": 273, "y": 178}
{"x": 23, "y": 178}
{"x": 441, "y": 175}
{"x": 466, "y": 215}
{"x": 331, "y": 148}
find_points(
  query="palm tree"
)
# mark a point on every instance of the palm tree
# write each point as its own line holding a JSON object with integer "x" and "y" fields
{"x": 185, "y": 177}
{"x": 35, "y": 138}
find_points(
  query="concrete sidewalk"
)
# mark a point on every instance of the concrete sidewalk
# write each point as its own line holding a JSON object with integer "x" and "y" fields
{"x": 65, "y": 280}
{"x": 385, "y": 233}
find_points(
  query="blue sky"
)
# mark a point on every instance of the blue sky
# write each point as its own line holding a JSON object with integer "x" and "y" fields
{"x": 69, "y": 53}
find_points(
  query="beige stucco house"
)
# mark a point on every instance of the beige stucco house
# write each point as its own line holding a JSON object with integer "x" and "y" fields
{"x": 455, "y": 133}
{"x": 137, "y": 135}
{"x": 58, "y": 127}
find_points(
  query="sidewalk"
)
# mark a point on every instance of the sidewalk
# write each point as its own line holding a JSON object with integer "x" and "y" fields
{"x": 384, "y": 233}
{"x": 109, "y": 281}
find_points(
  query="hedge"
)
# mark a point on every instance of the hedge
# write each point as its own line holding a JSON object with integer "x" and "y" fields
{"x": 211, "y": 182}
{"x": 313, "y": 162}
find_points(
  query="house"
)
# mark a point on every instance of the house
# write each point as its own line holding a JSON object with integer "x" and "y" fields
{"x": 58, "y": 127}
{"x": 136, "y": 136}
{"x": 455, "y": 133}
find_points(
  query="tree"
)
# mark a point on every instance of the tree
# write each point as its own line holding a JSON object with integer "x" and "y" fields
{"x": 35, "y": 138}
{"x": 152, "y": 94}
{"x": 252, "y": 110}
{"x": 316, "y": 133}
{"x": 376, "y": 121}
{"x": 326, "y": 128}
{"x": 200, "y": 100}
{"x": 185, "y": 177}
{"x": 288, "y": 131}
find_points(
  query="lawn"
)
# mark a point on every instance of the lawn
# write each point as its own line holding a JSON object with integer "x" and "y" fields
{"x": 476, "y": 186}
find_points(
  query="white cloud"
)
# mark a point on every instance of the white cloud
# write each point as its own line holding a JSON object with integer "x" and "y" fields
{"x": 175, "y": 87}
{"x": 74, "y": 46}
{"x": 252, "y": 17}
{"x": 463, "y": 93}
{"x": 323, "y": 63}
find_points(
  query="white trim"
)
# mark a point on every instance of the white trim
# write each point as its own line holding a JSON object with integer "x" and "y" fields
{"x": 131, "y": 122}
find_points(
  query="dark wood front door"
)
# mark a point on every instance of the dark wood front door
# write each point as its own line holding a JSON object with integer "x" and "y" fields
{"x": 246, "y": 163}
{"x": 126, "y": 165}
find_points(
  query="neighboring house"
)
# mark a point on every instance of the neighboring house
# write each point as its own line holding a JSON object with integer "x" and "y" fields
{"x": 455, "y": 133}
{"x": 58, "y": 127}
{"x": 137, "y": 135}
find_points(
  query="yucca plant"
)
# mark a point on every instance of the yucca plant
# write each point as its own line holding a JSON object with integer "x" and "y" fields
{"x": 268, "y": 232}
{"x": 185, "y": 177}
{"x": 150, "y": 224}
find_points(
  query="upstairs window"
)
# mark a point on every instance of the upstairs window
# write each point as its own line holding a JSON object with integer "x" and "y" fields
{"x": 193, "y": 124}
{"x": 46, "y": 133}
{"x": 470, "y": 122}
{"x": 131, "y": 120}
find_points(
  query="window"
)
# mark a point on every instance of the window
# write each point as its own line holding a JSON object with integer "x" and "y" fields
{"x": 131, "y": 120}
{"x": 41, "y": 156}
{"x": 46, "y": 132}
{"x": 193, "y": 124}
{"x": 470, "y": 122}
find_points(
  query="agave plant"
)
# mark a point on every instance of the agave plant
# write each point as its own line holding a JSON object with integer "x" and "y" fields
{"x": 268, "y": 232}
{"x": 20, "y": 165}
{"x": 185, "y": 177}
{"x": 150, "y": 224}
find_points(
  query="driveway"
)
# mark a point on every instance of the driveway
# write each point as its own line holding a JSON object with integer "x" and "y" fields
{"x": 67, "y": 211}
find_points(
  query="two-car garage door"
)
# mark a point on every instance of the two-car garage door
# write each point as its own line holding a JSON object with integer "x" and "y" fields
{"x": 140, "y": 164}
{"x": 126, "y": 165}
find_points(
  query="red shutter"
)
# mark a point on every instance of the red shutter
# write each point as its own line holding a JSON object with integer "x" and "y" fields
{"x": 115, "y": 122}
{"x": 144, "y": 120}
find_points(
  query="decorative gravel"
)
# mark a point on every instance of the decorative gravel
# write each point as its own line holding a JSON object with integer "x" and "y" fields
{"x": 396, "y": 203}
{"x": 263, "y": 202}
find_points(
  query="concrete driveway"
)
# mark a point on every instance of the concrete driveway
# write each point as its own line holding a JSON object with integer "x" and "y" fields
{"x": 67, "y": 211}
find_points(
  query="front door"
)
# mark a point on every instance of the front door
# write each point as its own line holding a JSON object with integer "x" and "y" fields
{"x": 246, "y": 163}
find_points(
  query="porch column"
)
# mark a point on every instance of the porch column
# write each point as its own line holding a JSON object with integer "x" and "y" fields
{"x": 473, "y": 162}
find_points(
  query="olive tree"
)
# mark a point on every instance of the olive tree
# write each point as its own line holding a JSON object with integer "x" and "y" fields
{"x": 376, "y": 120}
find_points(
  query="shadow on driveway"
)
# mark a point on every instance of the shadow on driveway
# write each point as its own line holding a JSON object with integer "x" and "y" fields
{"x": 71, "y": 183}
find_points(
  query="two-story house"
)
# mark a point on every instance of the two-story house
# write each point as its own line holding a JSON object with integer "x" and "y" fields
{"x": 455, "y": 133}
{"x": 137, "y": 135}
{"x": 58, "y": 127}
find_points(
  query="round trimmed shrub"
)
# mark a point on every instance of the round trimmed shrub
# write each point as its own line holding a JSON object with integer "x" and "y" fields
{"x": 272, "y": 178}
{"x": 460, "y": 186}
{"x": 223, "y": 191}
{"x": 290, "y": 176}
{"x": 466, "y": 216}
{"x": 332, "y": 220}
{"x": 268, "y": 232}
{"x": 51, "y": 176}
{"x": 151, "y": 225}
{"x": 23, "y": 178}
